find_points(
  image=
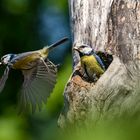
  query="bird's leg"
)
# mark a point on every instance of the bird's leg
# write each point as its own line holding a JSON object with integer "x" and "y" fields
{"x": 47, "y": 68}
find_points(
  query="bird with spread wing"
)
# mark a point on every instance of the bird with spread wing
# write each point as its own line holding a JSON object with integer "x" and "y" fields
{"x": 39, "y": 75}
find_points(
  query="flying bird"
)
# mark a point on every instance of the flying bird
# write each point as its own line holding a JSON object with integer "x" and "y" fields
{"x": 39, "y": 75}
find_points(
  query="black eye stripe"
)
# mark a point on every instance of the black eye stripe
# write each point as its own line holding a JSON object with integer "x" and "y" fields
{"x": 82, "y": 47}
{"x": 3, "y": 58}
{"x": 8, "y": 57}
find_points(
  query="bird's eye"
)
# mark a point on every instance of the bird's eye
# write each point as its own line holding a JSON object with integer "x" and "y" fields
{"x": 5, "y": 59}
{"x": 82, "y": 46}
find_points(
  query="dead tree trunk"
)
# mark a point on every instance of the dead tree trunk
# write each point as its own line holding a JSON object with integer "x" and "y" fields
{"x": 108, "y": 26}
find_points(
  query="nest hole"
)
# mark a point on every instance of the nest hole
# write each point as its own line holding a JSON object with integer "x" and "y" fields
{"x": 105, "y": 58}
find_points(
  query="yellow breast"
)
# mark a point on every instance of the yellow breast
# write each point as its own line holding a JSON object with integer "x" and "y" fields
{"x": 29, "y": 59}
{"x": 26, "y": 62}
{"x": 91, "y": 64}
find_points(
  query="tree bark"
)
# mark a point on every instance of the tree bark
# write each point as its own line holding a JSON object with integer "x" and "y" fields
{"x": 107, "y": 26}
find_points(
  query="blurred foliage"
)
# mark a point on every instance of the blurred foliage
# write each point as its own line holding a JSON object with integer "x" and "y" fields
{"x": 56, "y": 100}
{"x": 119, "y": 129}
{"x": 12, "y": 128}
{"x": 16, "y": 6}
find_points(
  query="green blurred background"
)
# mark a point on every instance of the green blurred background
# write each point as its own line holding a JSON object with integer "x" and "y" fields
{"x": 29, "y": 25}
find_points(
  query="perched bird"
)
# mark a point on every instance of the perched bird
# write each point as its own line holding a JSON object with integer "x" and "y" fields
{"x": 90, "y": 62}
{"x": 39, "y": 75}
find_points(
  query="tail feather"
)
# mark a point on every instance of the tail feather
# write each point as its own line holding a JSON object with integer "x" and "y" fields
{"x": 61, "y": 41}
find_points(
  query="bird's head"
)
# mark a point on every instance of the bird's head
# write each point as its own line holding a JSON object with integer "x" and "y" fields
{"x": 84, "y": 49}
{"x": 7, "y": 58}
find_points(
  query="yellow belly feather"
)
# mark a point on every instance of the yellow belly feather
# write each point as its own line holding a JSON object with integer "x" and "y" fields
{"x": 92, "y": 65}
{"x": 30, "y": 60}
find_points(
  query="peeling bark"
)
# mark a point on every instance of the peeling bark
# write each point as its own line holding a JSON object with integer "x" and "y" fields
{"x": 108, "y": 26}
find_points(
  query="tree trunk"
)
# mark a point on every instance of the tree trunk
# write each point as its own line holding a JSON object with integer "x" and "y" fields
{"x": 107, "y": 26}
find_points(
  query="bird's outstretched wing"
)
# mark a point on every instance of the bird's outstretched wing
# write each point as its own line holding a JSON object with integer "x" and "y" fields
{"x": 38, "y": 84}
{"x": 4, "y": 78}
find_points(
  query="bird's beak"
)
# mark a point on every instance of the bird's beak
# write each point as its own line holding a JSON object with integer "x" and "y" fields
{"x": 1, "y": 64}
{"x": 75, "y": 48}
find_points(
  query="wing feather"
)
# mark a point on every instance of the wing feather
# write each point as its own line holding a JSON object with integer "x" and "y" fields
{"x": 99, "y": 61}
{"x": 38, "y": 84}
{"x": 4, "y": 78}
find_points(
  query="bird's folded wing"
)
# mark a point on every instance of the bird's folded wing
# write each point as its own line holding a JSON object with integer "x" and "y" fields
{"x": 38, "y": 84}
{"x": 4, "y": 78}
{"x": 99, "y": 61}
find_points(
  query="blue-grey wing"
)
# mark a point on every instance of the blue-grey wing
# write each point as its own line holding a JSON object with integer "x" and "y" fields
{"x": 21, "y": 56}
{"x": 38, "y": 84}
{"x": 4, "y": 78}
{"x": 99, "y": 61}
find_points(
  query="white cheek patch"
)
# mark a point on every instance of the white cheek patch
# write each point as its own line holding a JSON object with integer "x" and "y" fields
{"x": 87, "y": 50}
{"x": 6, "y": 59}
